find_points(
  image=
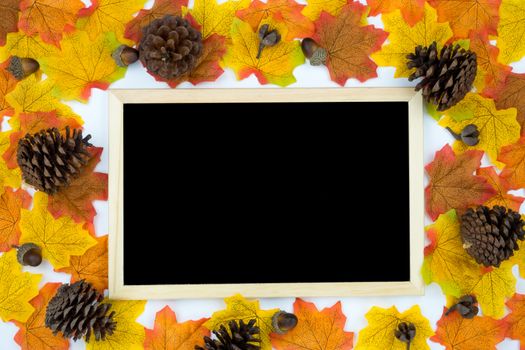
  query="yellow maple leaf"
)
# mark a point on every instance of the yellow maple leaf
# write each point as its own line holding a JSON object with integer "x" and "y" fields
{"x": 511, "y": 30}
{"x": 129, "y": 335}
{"x": 497, "y": 128}
{"x": 17, "y": 288}
{"x": 59, "y": 238}
{"x": 32, "y": 95}
{"x": 23, "y": 45}
{"x": 276, "y": 63}
{"x": 382, "y": 323}
{"x": 214, "y": 17}
{"x": 108, "y": 16}
{"x": 314, "y": 8}
{"x": 404, "y": 38}
{"x": 446, "y": 261}
{"x": 238, "y": 308}
{"x": 8, "y": 177}
{"x": 82, "y": 64}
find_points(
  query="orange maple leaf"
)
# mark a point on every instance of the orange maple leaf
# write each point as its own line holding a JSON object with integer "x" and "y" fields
{"x": 49, "y": 18}
{"x": 511, "y": 94}
{"x": 10, "y": 204}
{"x": 8, "y": 18}
{"x": 7, "y": 84}
{"x": 513, "y": 156}
{"x": 159, "y": 9}
{"x": 76, "y": 200}
{"x": 30, "y": 123}
{"x": 315, "y": 329}
{"x": 33, "y": 334}
{"x": 92, "y": 266}
{"x": 502, "y": 186}
{"x": 412, "y": 10}
{"x": 466, "y": 16}
{"x": 457, "y": 333}
{"x": 349, "y": 43}
{"x": 452, "y": 184}
{"x": 286, "y": 11}
{"x": 515, "y": 320}
{"x": 168, "y": 334}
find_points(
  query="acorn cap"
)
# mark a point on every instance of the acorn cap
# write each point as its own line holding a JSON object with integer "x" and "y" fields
{"x": 22, "y": 67}
{"x": 125, "y": 55}
{"x": 283, "y": 322}
{"x": 29, "y": 254}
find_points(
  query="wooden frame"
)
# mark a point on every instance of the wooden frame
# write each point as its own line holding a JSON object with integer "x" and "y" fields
{"x": 117, "y": 98}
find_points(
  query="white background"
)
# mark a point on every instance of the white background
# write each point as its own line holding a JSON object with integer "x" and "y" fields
{"x": 95, "y": 117}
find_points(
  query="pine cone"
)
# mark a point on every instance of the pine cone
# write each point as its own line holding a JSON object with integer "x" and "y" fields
{"x": 447, "y": 78}
{"x": 240, "y": 336}
{"x": 491, "y": 235}
{"x": 49, "y": 161}
{"x": 170, "y": 47}
{"x": 76, "y": 311}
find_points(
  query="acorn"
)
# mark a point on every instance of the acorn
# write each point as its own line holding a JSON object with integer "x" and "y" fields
{"x": 283, "y": 322}
{"x": 315, "y": 53}
{"x": 29, "y": 254}
{"x": 469, "y": 135}
{"x": 268, "y": 38}
{"x": 22, "y": 67}
{"x": 125, "y": 55}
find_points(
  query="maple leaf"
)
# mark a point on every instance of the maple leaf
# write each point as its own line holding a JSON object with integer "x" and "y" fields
{"x": 466, "y": 16}
{"x": 23, "y": 45}
{"x": 17, "y": 288}
{"x": 515, "y": 320}
{"x": 491, "y": 74}
{"x": 319, "y": 330}
{"x": 8, "y": 18}
{"x": 458, "y": 333}
{"x": 215, "y": 18}
{"x": 75, "y": 201}
{"x": 379, "y": 334}
{"x": 92, "y": 266}
{"x": 33, "y": 334}
{"x": 314, "y": 8}
{"x": 168, "y": 334}
{"x": 82, "y": 64}
{"x": 129, "y": 335}
{"x": 348, "y": 43}
{"x": 48, "y": 18}
{"x": 403, "y": 39}
{"x": 511, "y": 94}
{"x": 7, "y": 84}
{"x": 513, "y": 156}
{"x": 501, "y": 185}
{"x": 238, "y": 308}
{"x": 446, "y": 261}
{"x": 276, "y": 63}
{"x": 497, "y": 128}
{"x": 32, "y": 123}
{"x": 411, "y": 10}
{"x": 11, "y": 202}
{"x": 287, "y": 11}
{"x": 452, "y": 184}
{"x": 8, "y": 177}
{"x": 207, "y": 67}
{"x": 511, "y": 30}
{"x": 59, "y": 239}
{"x": 159, "y": 9}
{"x": 33, "y": 96}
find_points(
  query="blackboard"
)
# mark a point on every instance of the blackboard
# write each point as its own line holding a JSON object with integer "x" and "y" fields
{"x": 266, "y": 193}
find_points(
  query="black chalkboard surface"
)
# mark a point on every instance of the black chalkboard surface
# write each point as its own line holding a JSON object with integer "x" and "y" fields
{"x": 266, "y": 193}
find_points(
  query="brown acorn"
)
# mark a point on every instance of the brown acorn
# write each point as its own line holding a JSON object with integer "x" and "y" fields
{"x": 125, "y": 55}
{"x": 315, "y": 53}
{"x": 29, "y": 254}
{"x": 22, "y": 67}
{"x": 283, "y": 322}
